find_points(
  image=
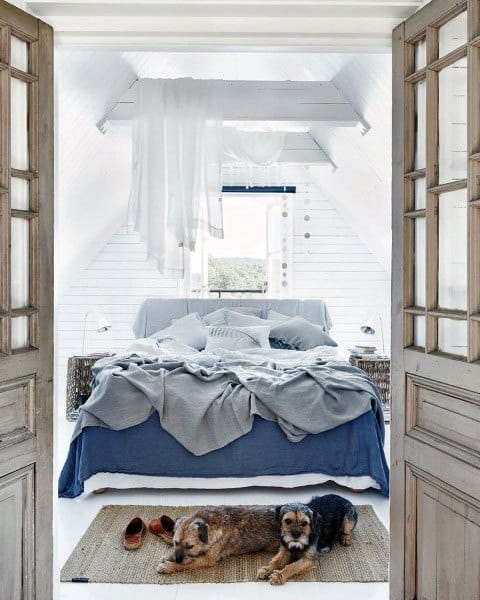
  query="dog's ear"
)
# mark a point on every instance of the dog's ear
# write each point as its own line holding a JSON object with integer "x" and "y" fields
{"x": 278, "y": 514}
{"x": 177, "y": 522}
{"x": 202, "y": 530}
{"x": 315, "y": 518}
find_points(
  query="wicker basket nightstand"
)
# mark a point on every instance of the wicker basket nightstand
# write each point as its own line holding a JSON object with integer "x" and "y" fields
{"x": 378, "y": 369}
{"x": 79, "y": 376}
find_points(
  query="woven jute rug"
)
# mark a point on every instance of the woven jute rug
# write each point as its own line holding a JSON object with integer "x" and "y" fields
{"x": 99, "y": 557}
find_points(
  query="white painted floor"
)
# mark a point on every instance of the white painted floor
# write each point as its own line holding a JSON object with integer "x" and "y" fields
{"x": 72, "y": 518}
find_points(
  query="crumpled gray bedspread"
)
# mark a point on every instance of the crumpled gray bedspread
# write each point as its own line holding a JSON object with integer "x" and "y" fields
{"x": 207, "y": 407}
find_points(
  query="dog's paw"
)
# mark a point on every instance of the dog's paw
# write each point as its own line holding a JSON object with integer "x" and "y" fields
{"x": 346, "y": 540}
{"x": 264, "y": 573}
{"x": 165, "y": 567}
{"x": 277, "y": 578}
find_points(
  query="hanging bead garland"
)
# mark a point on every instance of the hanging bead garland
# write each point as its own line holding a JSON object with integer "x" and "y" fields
{"x": 284, "y": 240}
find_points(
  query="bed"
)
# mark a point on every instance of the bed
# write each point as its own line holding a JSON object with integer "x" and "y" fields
{"x": 146, "y": 454}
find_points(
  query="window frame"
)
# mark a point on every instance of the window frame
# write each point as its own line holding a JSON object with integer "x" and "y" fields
{"x": 432, "y": 312}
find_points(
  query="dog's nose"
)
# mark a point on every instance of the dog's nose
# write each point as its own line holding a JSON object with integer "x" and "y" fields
{"x": 296, "y": 534}
{"x": 178, "y": 556}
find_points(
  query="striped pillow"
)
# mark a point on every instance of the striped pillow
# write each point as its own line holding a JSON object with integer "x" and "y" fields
{"x": 237, "y": 338}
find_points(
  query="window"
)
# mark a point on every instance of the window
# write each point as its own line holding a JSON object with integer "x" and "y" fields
{"x": 240, "y": 261}
{"x": 442, "y": 191}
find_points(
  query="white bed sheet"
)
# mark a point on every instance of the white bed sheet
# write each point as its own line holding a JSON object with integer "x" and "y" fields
{"x": 127, "y": 481}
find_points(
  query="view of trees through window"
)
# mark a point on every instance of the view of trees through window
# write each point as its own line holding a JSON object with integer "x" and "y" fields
{"x": 225, "y": 273}
{"x": 239, "y": 260}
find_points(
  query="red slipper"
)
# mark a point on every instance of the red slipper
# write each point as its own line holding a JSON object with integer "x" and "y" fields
{"x": 134, "y": 533}
{"x": 163, "y": 528}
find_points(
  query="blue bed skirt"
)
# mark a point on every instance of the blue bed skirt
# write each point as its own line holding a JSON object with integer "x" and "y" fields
{"x": 353, "y": 449}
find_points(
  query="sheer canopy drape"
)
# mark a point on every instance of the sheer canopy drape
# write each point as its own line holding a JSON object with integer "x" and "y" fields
{"x": 254, "y": 153}
{"x": 176, "y": 167}
{"x": 259, "y": 148}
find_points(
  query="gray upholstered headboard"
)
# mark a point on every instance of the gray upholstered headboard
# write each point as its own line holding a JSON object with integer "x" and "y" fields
{"x": 157, "y": 313}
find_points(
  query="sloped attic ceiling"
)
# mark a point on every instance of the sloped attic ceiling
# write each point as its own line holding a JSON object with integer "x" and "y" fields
{"x": 94, "y": 168}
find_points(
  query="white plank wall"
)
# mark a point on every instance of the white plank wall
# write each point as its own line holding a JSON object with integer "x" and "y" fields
{"x": 334, "y": 264}
{"x": 114, "y": 284}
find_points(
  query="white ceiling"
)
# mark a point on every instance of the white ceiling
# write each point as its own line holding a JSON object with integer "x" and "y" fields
{"x": 94, "y": 168}
{"x": 343, "y": 25}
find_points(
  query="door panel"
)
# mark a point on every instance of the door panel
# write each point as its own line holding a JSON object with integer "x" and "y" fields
{"x": 435, "y": 478}
{"x": 17, "y": 525}
{"x": 448, "y": 533}
{"x": 26, "y": 304}
{"x": 17, "y": 410}
{"x": 449, "y": 413}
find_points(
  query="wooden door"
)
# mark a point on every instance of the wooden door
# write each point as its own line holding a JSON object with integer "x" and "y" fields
{"x": 435, "y": 479}
{"x": 26, "y": 305}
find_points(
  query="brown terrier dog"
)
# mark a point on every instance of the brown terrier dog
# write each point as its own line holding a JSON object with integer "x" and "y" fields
{"x": 210, "y": 535}
{"x": 306, "y": 531}
{"x": 298, "y": 550}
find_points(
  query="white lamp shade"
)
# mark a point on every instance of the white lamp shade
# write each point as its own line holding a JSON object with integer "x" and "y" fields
{"x": 103, "y": 324}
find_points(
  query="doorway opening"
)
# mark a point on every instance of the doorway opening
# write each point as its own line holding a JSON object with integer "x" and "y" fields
{"x": 316, "y": 244}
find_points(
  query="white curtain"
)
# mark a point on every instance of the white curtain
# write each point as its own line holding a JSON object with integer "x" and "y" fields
{"x": 252, "y": 156}
{"x": 176, "y": 167}
{"x": 259, "y": 148}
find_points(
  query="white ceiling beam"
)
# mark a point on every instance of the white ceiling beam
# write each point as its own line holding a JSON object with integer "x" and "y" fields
{"x": 306, "y": 103}
{"x": 299, "y": 149}
{"x": 229, "y": 24}
{"x": 364, "y": 123}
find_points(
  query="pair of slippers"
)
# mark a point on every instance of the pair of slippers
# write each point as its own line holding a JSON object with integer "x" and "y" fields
{"x": 135, "y": 532}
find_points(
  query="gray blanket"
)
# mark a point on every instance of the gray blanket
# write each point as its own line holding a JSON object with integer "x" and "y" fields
{"x": 207, "y": 407}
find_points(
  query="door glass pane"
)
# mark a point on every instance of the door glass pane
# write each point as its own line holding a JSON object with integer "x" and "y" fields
{"x": 453, "y": 34}
{"x": 420, "y": 262}
{"x": 420, "y": 54}
{"x": 18, "y": 54}
{"x": 420, "y": 124}
{"x": 420, "y": 193}
{"x": 452, "y": 336}
{"x": 452, "y": 123}
{"x": 20, "y": 245}
{"x": 19, "y": 329}
{"x": 419, "y": 331}
{"x": 19, "y": 124}
{"x": 452, "y": 250}
{"x": 19, "y": 193}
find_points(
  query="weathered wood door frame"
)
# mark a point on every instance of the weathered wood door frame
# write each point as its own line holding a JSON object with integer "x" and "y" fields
{"x": 26, "y": 359}
{"x": 433, "y": 460}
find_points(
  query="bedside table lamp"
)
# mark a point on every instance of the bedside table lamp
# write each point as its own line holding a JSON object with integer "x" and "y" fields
{"x": 368, "y": 328}
{"x": 102, "y": 326}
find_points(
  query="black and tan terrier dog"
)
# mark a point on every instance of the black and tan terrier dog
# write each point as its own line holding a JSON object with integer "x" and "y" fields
{"x": 210, "y": 535}
{"x": 306, "y": 531}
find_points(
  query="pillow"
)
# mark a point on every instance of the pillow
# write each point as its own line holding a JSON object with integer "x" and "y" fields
{"x": 237, "y": 338}
{"x": 174, "y": 346}
{"x": 246, "y": 310}
{"x": 276, "y": 316}
{"x": 301, "y": 334}
{"x": 278, "y": 344}
{"x": 239, "y": 320}
{"x": 217, "y": 317}
{"x": 189, "y": 330}
{"x": 157, "y": 347}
